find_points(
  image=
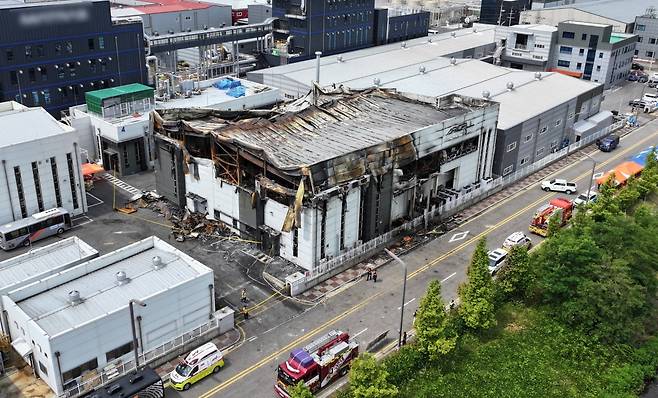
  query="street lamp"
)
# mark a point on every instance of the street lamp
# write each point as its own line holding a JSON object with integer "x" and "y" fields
{"x": 404, "y": 291}
{"x": 591, "y": 179}
{"x": 132, "y": 325}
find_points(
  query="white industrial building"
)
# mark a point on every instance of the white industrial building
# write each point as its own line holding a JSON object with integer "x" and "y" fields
{"x": 173, "y": 16}
{"x": 39, "y": 263}
{"x": 295, "y": 79}
{"x": 77, "y": 320}
{"x": 618, "y": 13}
{"x": 223, "y": 93}
{"x": 41, "y": 161}
{"x": 317, "y": 180}
{"x": 526, "y": 47}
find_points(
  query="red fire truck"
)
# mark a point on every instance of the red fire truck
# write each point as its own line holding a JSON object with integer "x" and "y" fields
{"x": 560, "y": 206}
{"x": 318, "y": 364}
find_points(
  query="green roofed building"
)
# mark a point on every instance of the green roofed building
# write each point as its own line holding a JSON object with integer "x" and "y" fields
{"x": 117, "y": 118}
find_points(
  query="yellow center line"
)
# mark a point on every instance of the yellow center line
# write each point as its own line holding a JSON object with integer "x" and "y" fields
{"x": 369, "y": 299}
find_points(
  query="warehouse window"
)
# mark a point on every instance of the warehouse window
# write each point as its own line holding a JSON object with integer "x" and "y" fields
{"x": 565, "y": 50}
{"x": 37, "y": 184}
{"x": 565, "y": 64}
{"x": 528, "y": 138}
{"x": 524, "y": 160}
{"x": 323, "y": 227}
{"x": 118, "y": 352}
{"x": 19, "y": 189}
{"x": 343, "y": 211}
{"x": 77, "y": 371}
{"x": 540, "y": 151}
{"x": 558, "y": 122}
{"x": 10, "y": 54}
{"x": 91, "y": 44}
{"x": 568, "y": 35}
{"x": 43, "y": 368}
{"x": 640, "y": 28}
{"x": 69, "y": 160}
{"x": 295, "y": 242}
{"x": 101, "y": 42}
{"x": 511, "y": 147}
{"x": 53, "y": 169}
{"x": 543, "y": 130}
{"x": 508, "y": 169}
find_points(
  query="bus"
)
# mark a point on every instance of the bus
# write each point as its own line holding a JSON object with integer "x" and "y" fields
{"x": 38, "y": 226}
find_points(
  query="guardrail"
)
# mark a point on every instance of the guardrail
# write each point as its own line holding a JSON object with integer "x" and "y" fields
{"x": 85, "y": 384}
{"x": 484, "y": 190}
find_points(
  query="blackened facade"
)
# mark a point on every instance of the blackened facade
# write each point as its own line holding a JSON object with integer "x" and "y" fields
{"x": 52, "y": 53}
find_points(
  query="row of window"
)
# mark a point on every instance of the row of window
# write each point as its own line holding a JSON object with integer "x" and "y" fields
{"x": 581, "y": 51}
{"x": 572, "y": 35}
{"x": 45, "y": 97}
{"x": 347, "y": 19}
{"x": 33, "y": 51}
{"x": 69, "y": 69}
{"x": 36, "y": 178}
{"x": 349, "y": 38}
{"x": 528, "y": 138}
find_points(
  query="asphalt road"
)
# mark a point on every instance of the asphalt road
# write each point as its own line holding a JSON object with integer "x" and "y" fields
{"x": 366, "y": 309}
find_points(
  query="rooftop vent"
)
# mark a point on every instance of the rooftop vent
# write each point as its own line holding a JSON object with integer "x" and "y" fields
{"x": 453, "y": 61}
{"x": 429, "y": 39}
{"x": 339, "y": 58}
{"x": 475, "y": 30}
{"x": 486, "y": 94}
{"x": 74, "y": 297}
{"x": 510, "y": 86}
{"x": 421, "y": 69}
{"x": 376, "y": 81}
{"x": 453, "y": 34}
{"x": 404, "y": 44}
{"x": 538, "y": 75}
{"x": 122, "y": 278}
{"x": 157, "y": 262}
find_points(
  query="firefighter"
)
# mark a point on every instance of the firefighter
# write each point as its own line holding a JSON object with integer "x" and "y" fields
{"x": 245, "y": 312}
{"x": 369, "y": 274}
{"x": 374, "y": 276}
{"x": 243, "y": 295}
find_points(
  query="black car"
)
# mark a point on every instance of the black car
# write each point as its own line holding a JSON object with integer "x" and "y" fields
{"x": 636, "y": 66}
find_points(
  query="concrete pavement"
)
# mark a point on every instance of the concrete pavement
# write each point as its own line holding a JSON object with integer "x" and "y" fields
{"x": 367, "y": 309}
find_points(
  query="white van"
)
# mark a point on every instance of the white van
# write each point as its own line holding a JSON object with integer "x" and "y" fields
{"x": 197, "y": 364}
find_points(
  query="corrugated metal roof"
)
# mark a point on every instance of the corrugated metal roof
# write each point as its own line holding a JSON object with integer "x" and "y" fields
{"x": 101, "y": 294}
{"x": 43, "y": 261}
{"x": 374, "y": 61}
{"x": 613, "y": 9}
{"x": 134, "y": 88}
{"x": 342, "y": 127}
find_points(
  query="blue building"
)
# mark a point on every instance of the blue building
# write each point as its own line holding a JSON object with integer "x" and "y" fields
{"x": 52, "y": 52}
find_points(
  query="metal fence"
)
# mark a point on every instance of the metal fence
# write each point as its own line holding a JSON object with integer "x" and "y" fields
{"x": 482, "y": 191}
{"x": 87, "y": 383}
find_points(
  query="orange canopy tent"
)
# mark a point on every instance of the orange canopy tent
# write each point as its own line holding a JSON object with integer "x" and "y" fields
{"x": 89, "y": 169}
{"x": 622, "y": 173}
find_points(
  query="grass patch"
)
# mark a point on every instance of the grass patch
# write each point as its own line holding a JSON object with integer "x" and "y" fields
{"x": 526, "y": 355}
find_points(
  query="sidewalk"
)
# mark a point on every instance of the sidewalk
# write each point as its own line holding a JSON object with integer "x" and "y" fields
{"x": 22, "y": 383}
{"x": 319, "y": 291}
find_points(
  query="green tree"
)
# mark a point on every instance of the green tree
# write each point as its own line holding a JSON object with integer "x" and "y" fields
{"x": 606, "y": 204}
{"x": 629, "y": 195}
{"x": 300, "y": 390}
{"x": 476, "y": 296}
{"x": 554, "y": 224}
{"x": 515, "y": 278}
{"x": 368, "y": 379}
{"x": 434, "y": 332}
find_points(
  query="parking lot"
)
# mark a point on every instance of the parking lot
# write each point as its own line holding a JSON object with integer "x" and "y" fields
{"x": 234, "y": 268}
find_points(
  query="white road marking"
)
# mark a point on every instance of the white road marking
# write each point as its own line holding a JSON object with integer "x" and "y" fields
{"x": 408, "y": 302}
{"x": 458, "y": 236}
{"x": 361, "y": 332}
{"x": 252, "y": 338}
{"x": 124, "y": 232}
{"x": 448, "y": 277}
{"x": 76, "y": 224}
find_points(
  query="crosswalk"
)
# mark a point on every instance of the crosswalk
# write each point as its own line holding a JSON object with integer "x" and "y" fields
{"x": 121, "y": 184}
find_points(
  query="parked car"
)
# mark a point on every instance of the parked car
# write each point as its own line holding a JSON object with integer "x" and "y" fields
{"x": 609, "y": 143}
{"x": 636, "y": 66}
{"x": 517, "y": 239}
{"x": 636, "y": 103}
{"x": 638, "y": 76}
{"x": 496, "y": 260}
{"x": 650, "y": 97}
{"x": 583, "y": 198}
{"x": 559, "y": 185}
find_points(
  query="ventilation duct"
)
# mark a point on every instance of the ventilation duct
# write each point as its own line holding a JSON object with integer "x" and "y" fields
{"x": 510, "y": 86}
{"x": 453, "y": 61}
{"x": 538, "y": 75}
{"x": 486, "y": 94}
{"x": 421, "y": 69}
{"x": 376, "y": 81}
{"x": 74, "y": 297}
{"x": 122, "y": 278}
{"x": 157, "y": 262}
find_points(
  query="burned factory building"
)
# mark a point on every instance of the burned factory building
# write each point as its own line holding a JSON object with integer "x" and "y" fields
{"x": 317, "y": 177}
